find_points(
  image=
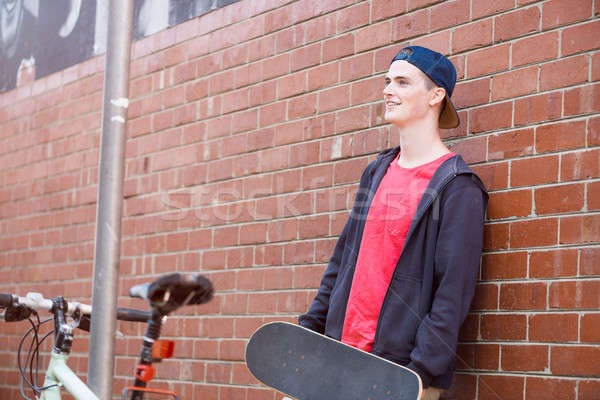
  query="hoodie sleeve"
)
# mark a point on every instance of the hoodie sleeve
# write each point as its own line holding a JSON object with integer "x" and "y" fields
{"x": 457, "y": 258}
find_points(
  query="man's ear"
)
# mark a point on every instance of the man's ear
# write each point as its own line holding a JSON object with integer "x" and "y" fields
{"x": 437, "y": 95}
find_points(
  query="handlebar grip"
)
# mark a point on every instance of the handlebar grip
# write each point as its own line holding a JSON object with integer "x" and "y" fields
{"x": 130, "y": 314}
{"x": 6, "y": 300}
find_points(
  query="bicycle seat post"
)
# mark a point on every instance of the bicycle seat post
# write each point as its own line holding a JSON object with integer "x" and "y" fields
{"x": 144, "y": 371}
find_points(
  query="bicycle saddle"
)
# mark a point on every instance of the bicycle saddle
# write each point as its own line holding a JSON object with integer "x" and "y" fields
{"x": 171, "y": 291}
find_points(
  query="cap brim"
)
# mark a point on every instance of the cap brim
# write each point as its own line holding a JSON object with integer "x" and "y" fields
{"x": 448, "y": 117}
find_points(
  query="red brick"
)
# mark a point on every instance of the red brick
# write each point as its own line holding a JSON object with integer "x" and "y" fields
{"x": 575, "y": 360}
{"x": 334, "y": 99}
{"x": 553, "y": 327}
{"x": 313, "y": 227}
{"x": 589, "y": 390}
{"x": 409, "y": 25}
{"x": 494, "y": 176}
{"x": 561, "y": 12}
{"x": 503, "y": 327}
{"x": 384, "y": 9}
{"x": 352, "y": 17}
{"x": 580, "y": 229}
{"x": 449, "y": 13}
{"x": 276, "y": 66}
{"x": 463, "y": 385}
{"x": 581, "y": 38}
{"x": 564, "y": 72}
{"x": 557, "y": 199}
{"x": 299, "y": 253}
{"x": 472, "y": 150}
{"x": 478, "y": 356}
{"x": 263, "y": 93}
{"x": 585, "y": 99}
{"x": 554, "y": 263}
{"x": 352, "y": 119}
{"x": 323, "y": 76}
{"x": 510, "y": 144}
{"x": 590, "y": 261}
{"x": 541, "y": 232}
{"x": 347, "y": 171}
{"x": 596, "y": 67}
{"x": 488, "y": 60}
{"x": 373, "y": 36}
{"x": 306, "y": 153}
{"x": 253, "y": 233}
{"x": 516, "y": 23}
{"x": 495, "y": 236}
{"x": 472, "y": 35}
{"x": 549, "y": 389}
{"x": 523, "y": 296}
{"x": 535, "y": 49}
{"x": 290, "y": 38}
{"x": 514, "y": 83}
{"x": 272, "y": 113}
{"x": 504, "y": 265}
{"x": 593, "y": 197}
{"x": 320, "y": 28}
{"x": 494, "y": 387}
{"x": 367, "y": 91}
{"x": 534, "y": 171}
{"x": 261, "y": 48}
{"x": 590, "y": 328}
{"x": 538, "y": 108}
{"x": 248, "y": 74}
{"x": 560, "y": 136}
{"x": 288, "y": 133}
{"x": 490, "y": 117}
{"x": 302, "y": 106}
{"x": 291, "y": 85}
{"x": 338, "y": 47}
{"x": 485, "y": 297}
{"x": 483, "y": 8}
{"x": 306, "y": 56}
{"x": 574, "y": 294}
{"x": 514, "y": 203}
{"x": 594, "y": 132}
{"x": 580, "y": 165}
{"x": 439, "y": 41}
{"x": 235, "y": 56}
{"x": 524, "y": 358}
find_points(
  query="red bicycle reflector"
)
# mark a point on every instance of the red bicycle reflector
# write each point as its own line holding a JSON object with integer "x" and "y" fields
{"x": 144, "y": 373}
{"x": 163, "y": 349}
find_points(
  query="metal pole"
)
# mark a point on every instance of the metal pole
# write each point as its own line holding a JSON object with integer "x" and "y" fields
{"x": 110, "y": 198}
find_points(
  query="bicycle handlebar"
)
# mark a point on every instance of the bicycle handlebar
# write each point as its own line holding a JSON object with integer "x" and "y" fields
{"x": 35, "y": 301}
{"x": 6, "y": 300}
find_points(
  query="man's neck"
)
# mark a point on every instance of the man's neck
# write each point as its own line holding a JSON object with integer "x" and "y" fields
{"x": 420, "y": 143}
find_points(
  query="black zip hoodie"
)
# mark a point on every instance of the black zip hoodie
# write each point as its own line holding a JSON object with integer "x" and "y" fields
{"x": 434, "y": 279}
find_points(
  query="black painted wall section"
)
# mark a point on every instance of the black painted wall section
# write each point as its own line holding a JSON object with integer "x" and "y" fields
{"x": 50, "y": 35}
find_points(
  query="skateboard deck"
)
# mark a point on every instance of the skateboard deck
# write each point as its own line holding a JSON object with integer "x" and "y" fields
{"x": 309, "y": 366}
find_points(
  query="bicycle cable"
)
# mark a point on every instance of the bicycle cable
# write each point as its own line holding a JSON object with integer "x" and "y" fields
{"x": 32, "y": 354}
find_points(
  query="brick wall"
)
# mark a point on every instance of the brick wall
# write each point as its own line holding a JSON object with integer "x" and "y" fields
{"x": 248, "y": 130}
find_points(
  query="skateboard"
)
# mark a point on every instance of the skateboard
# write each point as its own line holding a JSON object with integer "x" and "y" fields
{"x": 309, "y": 366}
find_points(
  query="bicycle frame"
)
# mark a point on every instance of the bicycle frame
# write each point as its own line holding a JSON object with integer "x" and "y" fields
{"x": 60, "y": 374}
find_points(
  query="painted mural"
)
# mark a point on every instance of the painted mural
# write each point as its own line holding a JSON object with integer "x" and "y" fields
{"x": 50, "y": 35}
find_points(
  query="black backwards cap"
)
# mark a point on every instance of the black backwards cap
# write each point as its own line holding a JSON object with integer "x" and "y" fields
{"x": 441, "y": 70}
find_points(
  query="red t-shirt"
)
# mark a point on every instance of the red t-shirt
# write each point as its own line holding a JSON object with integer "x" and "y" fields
{"x": 386, "y": 227}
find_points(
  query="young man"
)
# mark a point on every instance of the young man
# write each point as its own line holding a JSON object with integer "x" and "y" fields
{"x": 403, "y": 272}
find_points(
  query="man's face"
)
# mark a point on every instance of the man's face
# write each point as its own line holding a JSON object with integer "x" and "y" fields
{"x": 405, "y": 94}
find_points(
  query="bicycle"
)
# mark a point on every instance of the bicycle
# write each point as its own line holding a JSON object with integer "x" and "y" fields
{"x": 164, "y": 295}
